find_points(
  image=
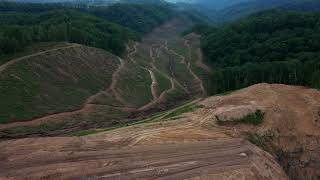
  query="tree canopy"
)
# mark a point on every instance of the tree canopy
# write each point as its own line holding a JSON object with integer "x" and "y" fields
{"x": 275, "y": 46}
{"x": 106, "y": 27}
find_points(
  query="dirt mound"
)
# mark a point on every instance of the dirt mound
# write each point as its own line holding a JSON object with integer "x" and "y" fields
{"x": 291, "y": 126}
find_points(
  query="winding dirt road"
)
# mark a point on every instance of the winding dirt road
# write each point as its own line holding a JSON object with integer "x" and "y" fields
{"x": 56, "y": 117}
{"x": 200, "y": 63}
{"x": 191, "y": 71}
{"x": 153, "y": 85}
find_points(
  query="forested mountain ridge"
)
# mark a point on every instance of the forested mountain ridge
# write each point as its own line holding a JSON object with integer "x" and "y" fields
{"x": 110, "y": 28}
{"x": 141, "y": 18}
{"x": 274, "y": 46}
{"x": 244, "y": 9}
{"x": 21, "y": 29}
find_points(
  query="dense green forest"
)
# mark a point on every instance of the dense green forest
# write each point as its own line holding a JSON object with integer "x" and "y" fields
{"x": 275, "y": 46}
{"x": 141, "y": 18}
{"x": 19, "y": 30}
{"x": 106, "y": 27}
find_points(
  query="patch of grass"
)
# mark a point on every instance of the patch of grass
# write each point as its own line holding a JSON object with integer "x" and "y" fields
{"x": 163, "y": 82}
{"x": 255, "y": 118}
{"x": 182, "y": 110}
{"x": 164, "y": 116}
{"x": 101, "y": 118}
{"x": 31, "y": 49}
{"x": 261, "y": 141}
{"x": 134, "y": 83}
{"x": 224, "y": 93}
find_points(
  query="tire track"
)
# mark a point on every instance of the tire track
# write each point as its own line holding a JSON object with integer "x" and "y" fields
{"x": 135, "y": 50}
{"x": 200, "y": 62}
{"x": 172, "y": 71}
{"x": 56, "y": 117}
{"x": 186, "y": 43}
{"x": 115, "y": 77}
{"x": 154, "y": 85}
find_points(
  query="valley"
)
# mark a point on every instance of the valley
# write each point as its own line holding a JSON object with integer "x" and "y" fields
{"x": 141, "y": 89}
{"x": 161, "y": 67}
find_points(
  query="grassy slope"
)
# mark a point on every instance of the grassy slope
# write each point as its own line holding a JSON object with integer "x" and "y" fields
{"x": 34, "y": 48}
{"x": 133, "y": 85}
{"x": 163, "y": 82}
{"x": 42, "y": 85}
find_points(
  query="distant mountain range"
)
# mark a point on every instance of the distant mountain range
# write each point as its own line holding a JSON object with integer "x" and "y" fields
{"x": 90, "y": 1}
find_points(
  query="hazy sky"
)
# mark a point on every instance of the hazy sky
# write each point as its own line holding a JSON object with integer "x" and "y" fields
{"x": 181, "y": 0}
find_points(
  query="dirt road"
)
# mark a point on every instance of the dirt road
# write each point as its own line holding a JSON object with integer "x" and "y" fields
{"x": 13, "y": 61}
{"x": 56, "y": 117}
{"x": 78, "y": 158}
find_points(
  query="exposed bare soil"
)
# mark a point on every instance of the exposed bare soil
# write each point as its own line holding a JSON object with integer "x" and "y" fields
{"x": 194, "y": 146}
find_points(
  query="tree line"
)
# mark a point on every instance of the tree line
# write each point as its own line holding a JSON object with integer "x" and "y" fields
{"x": 106, "y": 27}
{"x": 274, "y": 47}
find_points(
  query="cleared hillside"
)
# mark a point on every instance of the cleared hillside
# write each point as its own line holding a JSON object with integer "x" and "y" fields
{"x": 52, "y": 81}
{"x": 77, "y": 88}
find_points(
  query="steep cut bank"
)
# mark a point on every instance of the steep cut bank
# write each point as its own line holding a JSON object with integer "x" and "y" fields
{"x": 290, "y": 130}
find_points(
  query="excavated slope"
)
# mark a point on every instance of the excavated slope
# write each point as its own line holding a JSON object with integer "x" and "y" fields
{"x": 192, "y": 146}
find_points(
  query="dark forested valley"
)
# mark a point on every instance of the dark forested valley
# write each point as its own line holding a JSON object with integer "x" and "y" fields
{"x": 276, "y": 46}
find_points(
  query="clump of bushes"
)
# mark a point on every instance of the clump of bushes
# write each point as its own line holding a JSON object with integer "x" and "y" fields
{"x": 255, "y": 118}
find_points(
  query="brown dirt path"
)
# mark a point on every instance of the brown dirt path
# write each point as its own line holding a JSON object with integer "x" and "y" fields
{"x": 115, "y": 77}
{"x": 200, "y": 62}
{"x": 191, "y": 71}
{"x": 153, "y": 85}
{"x": 135, "y": 50}
{"x": 60, "y": 116}
{"x": 9, "y": 63}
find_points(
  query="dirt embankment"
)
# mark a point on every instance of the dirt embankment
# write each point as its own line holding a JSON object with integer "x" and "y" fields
{"x": 291, "y": 127}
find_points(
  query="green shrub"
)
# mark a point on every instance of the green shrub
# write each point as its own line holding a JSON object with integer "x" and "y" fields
{"x": 255, "y": 118}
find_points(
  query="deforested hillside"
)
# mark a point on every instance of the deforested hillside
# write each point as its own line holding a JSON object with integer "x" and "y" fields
{"x": 51, "y": 81}
{"x": 61, "y": 87}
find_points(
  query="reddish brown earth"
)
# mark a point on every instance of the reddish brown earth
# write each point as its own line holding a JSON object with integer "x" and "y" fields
{"x": 74, "y": 158}
{"x": 193, "y": 146}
